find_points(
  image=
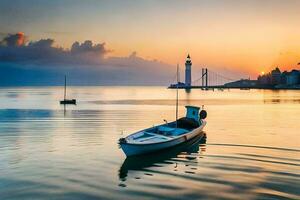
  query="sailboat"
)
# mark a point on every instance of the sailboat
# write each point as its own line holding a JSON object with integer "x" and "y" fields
{"x": 67, "y": 101}
{"x": 166, "y": 135}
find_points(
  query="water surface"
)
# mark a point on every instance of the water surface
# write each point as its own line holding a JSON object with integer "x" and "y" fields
{"x": 251, "y": 151}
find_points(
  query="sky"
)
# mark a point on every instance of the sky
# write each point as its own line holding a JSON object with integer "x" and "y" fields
{"x": 141, "y": 41}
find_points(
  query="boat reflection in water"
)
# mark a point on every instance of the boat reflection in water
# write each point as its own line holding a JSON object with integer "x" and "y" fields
{"x": 167, "y": 156}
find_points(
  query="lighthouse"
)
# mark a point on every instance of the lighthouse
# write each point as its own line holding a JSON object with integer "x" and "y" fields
{"x": 188, "y": 71}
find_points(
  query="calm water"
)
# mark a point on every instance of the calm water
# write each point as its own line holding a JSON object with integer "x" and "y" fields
{"x": 252, "y": 149}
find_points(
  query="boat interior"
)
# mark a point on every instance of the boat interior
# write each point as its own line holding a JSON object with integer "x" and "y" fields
{"x": 165, "y": 132}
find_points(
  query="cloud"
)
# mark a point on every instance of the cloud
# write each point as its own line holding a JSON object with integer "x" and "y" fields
{"x": 14, "y": 49}
{"x": 88, "y": 47}
{"x": 43, "y": 43}
{"x": 133, "y": 55}
{"x": 12, "y": 40}
{"x": 87, "y": 63}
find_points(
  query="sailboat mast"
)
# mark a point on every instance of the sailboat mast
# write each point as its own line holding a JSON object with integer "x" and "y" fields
{"x": 177, "y": 80}
{"x": 65, "y": 93}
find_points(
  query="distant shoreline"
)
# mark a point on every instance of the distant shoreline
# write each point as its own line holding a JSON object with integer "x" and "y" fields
{"x": 232, "y": 87}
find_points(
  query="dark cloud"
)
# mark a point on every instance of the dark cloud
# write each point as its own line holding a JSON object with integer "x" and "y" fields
{"x": 88, "y": 47}
{"x": 12, "y": 40}
{"x": 42, "y": 63}
{"x": 14, "y": 49}
{"x": 43, "y": 43}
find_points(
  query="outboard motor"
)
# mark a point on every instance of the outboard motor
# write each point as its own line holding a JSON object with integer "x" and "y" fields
{"x": 203, "y": 114}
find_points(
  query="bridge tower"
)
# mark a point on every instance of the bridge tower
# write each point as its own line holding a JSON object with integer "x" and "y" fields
{"x": 204, "y": 78}
{"x": 188, "y": 71}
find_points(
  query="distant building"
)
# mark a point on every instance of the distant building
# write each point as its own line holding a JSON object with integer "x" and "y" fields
{"x": 277, "y": 79}
{"x": 264, "y": 79}
{"x": 243, "y": 83}
{"x": 283, "y": 77}
{"x": 188, "y": 71}
{"x": 293, "y": 77}
{"x": 179, "y": 85}
{"x": 275, "y": 76}
{"x": 270, "y": 79}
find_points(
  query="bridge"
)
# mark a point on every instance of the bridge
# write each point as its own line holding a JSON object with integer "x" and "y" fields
{"x": 208, "y": 80}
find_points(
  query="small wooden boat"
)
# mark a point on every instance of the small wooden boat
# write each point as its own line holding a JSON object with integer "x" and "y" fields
{"x": 166, "y": 135}
{"x": 67, "y": 101}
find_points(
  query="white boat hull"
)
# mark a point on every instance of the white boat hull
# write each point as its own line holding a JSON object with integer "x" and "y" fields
{"x": 132, "y": 149}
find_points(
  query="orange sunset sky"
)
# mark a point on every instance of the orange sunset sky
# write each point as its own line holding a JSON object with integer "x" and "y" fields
{"x": 243, "y": 36}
